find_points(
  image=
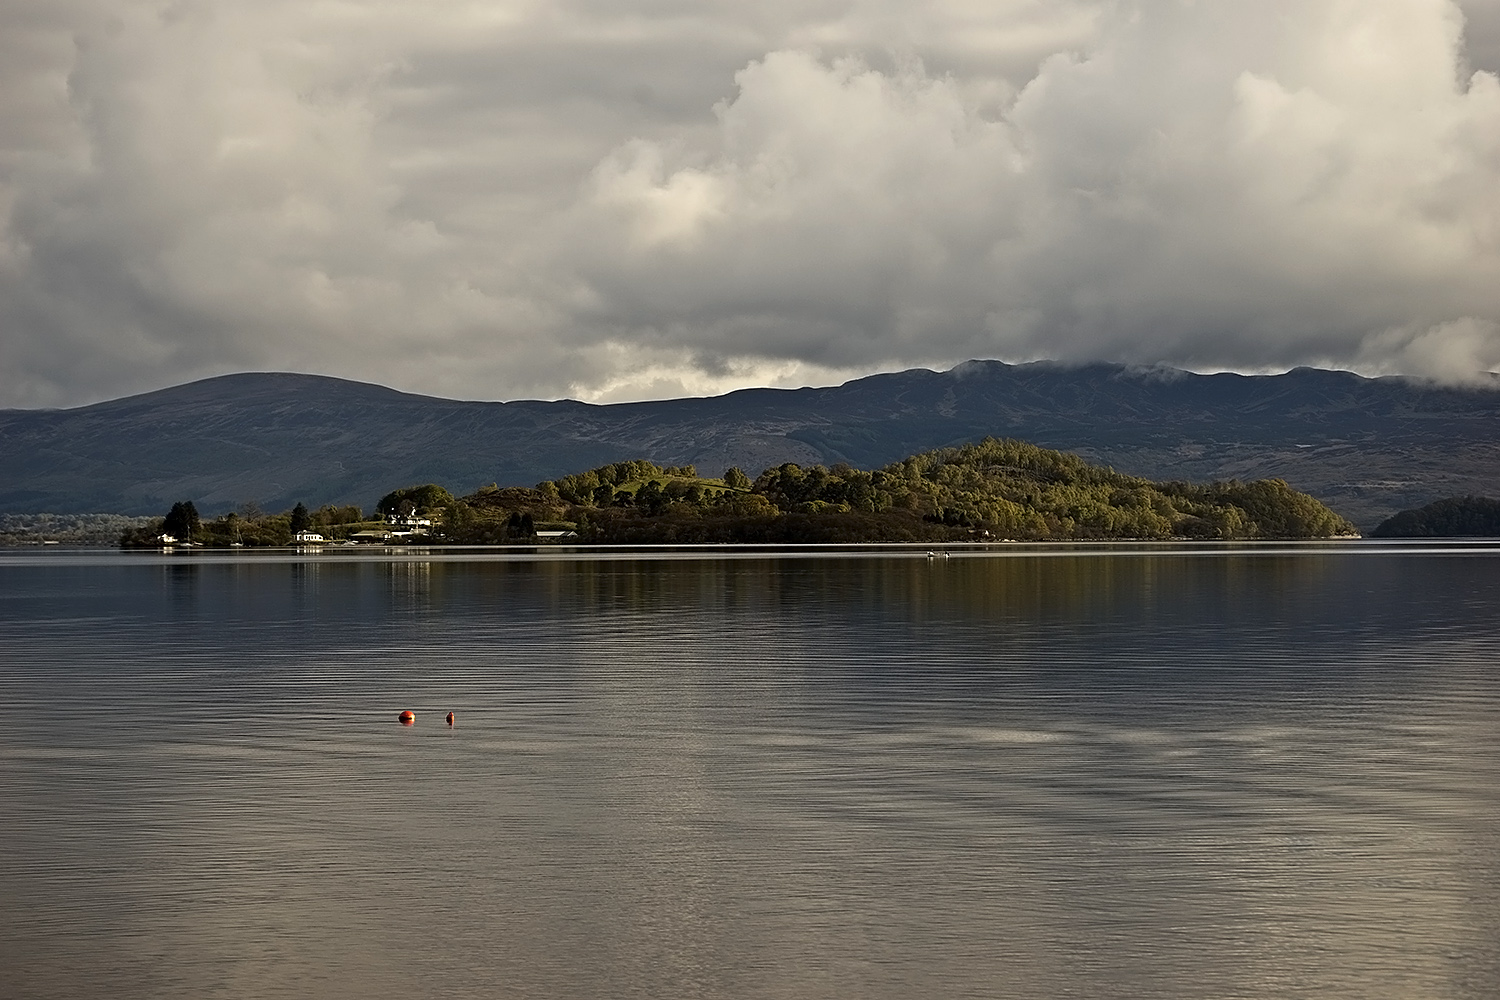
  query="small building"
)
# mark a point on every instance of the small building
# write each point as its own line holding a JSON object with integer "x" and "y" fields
{"x": 303, "y": 537}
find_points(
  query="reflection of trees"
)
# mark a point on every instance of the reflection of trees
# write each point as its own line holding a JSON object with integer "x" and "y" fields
{"x": 1080, "y": 586}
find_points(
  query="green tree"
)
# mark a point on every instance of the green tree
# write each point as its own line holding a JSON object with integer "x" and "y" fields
{"x": 650, "y": 496}
{"x": 301, "y": 519}
{"x": 143, "y": 537}
{"x": 735, "y": 478}
{"x": 458, "y": 520}
{"x": 1451, "y": 517}
{"x": 182, "y": 521}
{"x": 418, "y": 499}
{"x": 331, "y": 515}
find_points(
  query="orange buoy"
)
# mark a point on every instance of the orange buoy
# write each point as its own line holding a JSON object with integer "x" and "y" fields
{"x": 450, "y": 718}
{"x": 407, "y": 718}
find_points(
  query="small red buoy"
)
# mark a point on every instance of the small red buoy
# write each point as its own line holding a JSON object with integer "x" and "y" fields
{"x": 407, "y": 718}
{"x": 450, "y": 718}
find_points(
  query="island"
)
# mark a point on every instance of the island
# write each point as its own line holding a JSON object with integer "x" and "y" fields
{"x": 990, "y": 490}
{"x": 1452, "y": 517}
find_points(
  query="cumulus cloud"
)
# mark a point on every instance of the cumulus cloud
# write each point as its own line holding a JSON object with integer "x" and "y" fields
{"x": 626, "y": 200}
{"x": 1210, "y": 184}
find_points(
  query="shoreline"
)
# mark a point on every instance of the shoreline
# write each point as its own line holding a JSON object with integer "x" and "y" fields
{"x": 937, "y": 555}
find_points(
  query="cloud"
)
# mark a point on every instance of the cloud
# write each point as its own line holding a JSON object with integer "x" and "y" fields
{"x": 1457, "y": 352}
{"x": 622, "y": 200}
{"x": 1210, "y": 184}
{"x": 224, "y": 198}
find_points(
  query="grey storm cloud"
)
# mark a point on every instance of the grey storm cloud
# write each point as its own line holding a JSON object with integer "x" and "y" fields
{"x": 623, "y": 200}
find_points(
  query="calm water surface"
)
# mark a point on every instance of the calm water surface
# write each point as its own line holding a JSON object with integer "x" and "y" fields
{"x": 1261, "y": 772}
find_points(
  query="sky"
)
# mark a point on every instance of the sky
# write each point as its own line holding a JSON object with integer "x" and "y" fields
{"x": 633, "y": 199}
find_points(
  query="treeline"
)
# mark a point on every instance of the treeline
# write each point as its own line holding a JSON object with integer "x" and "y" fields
{"x": 995, "y": 489}
{"x": 1453, "y": 517}
{"x": 249, "y": 526}
{"x": 66, "y": 529}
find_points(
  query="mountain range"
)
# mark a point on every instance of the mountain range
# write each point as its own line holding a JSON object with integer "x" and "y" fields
{"x": 1367, "y": 447}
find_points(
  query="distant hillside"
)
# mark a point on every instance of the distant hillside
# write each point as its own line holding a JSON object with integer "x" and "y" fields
{"x": 1366, "y": 447}
{"x": 1453, "y": 517}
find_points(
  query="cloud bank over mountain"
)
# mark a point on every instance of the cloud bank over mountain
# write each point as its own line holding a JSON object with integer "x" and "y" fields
{"x": 626, "y": 200}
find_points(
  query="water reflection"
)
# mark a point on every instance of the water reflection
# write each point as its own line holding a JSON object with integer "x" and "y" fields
{"x": 1162, "y": 773}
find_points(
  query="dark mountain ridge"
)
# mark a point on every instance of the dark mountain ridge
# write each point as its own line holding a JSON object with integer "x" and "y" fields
{"x": 1367, "y": 447}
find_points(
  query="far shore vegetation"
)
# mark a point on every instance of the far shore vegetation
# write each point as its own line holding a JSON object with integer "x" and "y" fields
{"x": 1453, "y": 517}
{"x": 992, "y": 490}
{"x": 67, "y": 529}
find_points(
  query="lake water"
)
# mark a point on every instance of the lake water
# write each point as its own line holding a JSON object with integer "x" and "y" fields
{"x": 1262, "y": 771}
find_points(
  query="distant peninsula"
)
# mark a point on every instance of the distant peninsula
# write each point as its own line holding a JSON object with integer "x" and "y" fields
{"x": 992, "y": 490}
{"x": 1454, "y": 517}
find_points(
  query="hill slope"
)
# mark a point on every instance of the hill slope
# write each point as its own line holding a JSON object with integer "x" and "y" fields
{"x": 1366, "y": 447}
{"x": 1451, "y": 517}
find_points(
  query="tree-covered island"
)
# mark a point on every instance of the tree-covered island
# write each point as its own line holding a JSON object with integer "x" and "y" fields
{"x": 992, "y": 490}
{"x": 1452, "y": 517}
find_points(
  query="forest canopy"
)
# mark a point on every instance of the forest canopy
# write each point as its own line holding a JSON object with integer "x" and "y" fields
{"x": 1452, "y": 517}
{"x": 991, "y": 490}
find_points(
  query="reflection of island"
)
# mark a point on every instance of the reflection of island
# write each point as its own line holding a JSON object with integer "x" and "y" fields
{"x": 993, "y": 490}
